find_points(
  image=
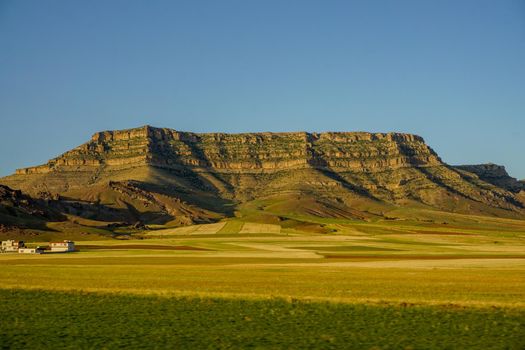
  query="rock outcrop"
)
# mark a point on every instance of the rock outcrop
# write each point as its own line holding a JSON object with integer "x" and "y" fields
{"x": 494, "y": 174}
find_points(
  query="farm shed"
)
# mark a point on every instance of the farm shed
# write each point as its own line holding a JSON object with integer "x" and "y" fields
{"x": 36, "y": 250}
{"x": 65, "y": 246}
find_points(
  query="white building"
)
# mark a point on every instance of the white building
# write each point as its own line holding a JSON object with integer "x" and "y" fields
{"x": 11, "y": 245}
{"x": 36, "y": 250}
{"x": 65, "y": 246}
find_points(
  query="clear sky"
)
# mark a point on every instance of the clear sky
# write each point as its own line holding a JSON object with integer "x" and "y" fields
{"x": 452, "y": 71}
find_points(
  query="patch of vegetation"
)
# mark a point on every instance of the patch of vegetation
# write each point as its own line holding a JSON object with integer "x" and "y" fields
{"x": 352, "y": 248}
{"x": 41, "y": 319}
{"x": 230, "y": 227}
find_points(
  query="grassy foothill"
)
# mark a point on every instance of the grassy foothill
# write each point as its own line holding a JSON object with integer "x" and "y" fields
{"x": 75, "y": 320}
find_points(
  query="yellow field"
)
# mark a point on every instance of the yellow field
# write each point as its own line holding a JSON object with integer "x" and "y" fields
{"x": 474, "y": 286}
{"x": 250, "y": 227}
{"x": 393, "y": 264}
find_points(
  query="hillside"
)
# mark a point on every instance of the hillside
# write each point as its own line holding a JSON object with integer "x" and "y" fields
{"x": 18, "y": 210}
{"x": 163, "y": 176}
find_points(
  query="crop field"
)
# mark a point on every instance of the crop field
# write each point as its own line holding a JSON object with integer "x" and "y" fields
{"x": 233, "y": 285}
{"x": 87, "y": 320}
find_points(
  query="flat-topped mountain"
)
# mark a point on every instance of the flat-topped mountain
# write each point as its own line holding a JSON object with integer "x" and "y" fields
{"x": 242, "y": 152}
{"x": 166, "y": 176}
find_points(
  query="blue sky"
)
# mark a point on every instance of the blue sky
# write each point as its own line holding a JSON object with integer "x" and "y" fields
{"x": 450, "y": 71}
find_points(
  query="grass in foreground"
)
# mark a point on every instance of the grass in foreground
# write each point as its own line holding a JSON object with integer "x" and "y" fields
{"x": 44, "y": 319}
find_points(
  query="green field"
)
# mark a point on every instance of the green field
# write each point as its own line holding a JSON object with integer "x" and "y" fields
{"x": 40, "y": 319}
{"x": 231, "y": 285}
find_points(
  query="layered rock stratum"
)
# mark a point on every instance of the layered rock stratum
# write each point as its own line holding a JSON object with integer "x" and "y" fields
{"x": 163, "y": 175}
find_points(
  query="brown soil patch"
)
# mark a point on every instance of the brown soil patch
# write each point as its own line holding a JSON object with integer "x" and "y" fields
{"x": 139, "y": 246}
{"x": 420, "y": 257}
{"x": 443, "y": 233}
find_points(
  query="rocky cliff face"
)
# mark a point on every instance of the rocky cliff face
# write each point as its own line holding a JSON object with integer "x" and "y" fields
{"x": 199, "y": 177}
{"x": 256, "y": 152}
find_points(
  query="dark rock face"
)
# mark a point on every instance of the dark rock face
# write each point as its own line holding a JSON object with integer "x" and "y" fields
{"x": 156, "y": 175}
{"x": 18, "y": 210}
{"x": 496, "y": 175}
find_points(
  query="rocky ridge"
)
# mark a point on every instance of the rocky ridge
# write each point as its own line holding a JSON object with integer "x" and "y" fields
{"x": 496, "y": 175}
